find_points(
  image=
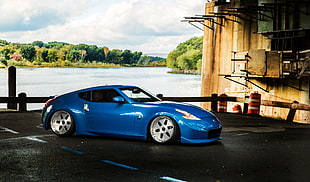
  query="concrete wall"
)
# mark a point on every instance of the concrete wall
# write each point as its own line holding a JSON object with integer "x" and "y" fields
{"x": 219, "y": 45}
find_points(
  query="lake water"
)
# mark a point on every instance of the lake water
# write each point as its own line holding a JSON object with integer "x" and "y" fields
{"x": 44, "y": 82}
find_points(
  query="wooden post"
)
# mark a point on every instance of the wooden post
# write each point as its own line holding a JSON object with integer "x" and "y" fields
{"x": 291, "y": 113}
{"x": 246, "y": 105}
{"x": 12, "y": 86}
{"x": 22, "y": 102}
{"x": 214, "y": 103}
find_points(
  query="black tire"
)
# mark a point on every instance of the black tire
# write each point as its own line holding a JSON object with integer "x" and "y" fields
{"x": 62, "y": 123}
{"x": 164, "y": 130}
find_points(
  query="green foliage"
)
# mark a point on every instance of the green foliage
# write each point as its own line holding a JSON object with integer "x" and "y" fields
{"x": 3, "y": 42}
{"x": 187, "y": 55}
{"x": 160, "y": 63}
{"x": 193, "y": 43}
{"x": 52, "y": 55}
{"x": 28, "y": 52}
{"x": 130, "y": 57}
{"x": 7, "y": 52}
{"x": 3, "y": 61}
{"x": 37, "y": 43}
{"x": 172, "y": 58}
{"x": 44, "y": 55}
{"x": 144, "y": 60}
{"x": 114, "y": 56}
{"x": 189, "y": 60}
{"x": 57, "y": 54}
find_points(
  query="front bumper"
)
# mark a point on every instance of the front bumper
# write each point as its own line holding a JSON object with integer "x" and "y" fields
{"x": 203, "y": 131}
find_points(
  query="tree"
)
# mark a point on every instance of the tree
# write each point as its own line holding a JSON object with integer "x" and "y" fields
{"x": 28, "y": 52}
{"x": 136, "y": 57}
{"x": 63, "y": 53}
{"x": 172, "y": 58}
{"x": 94, "y": 53}
{"x": 127, "y": 57}
{"x": 74, "y": 55}
{"x": 114, "y": 56}
{"x": 3, "y": 60}
{"x": 44, "y": 55}
{"x": 184, "y": 63}
{"x": 7, "y": 52}
{"x": 188, "y": 60}
{"x": 37, "y": 43}
{"x": 3, "y": 43}
{"x": 55, "y": 44}
{"x": 187, "y": 55}
{"x": 193, "y": 43}
{"x": 144, "y": 60}
{"x": 52, "y": 55}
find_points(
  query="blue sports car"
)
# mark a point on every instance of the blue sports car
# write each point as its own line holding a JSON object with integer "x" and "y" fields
{"x": 128, "y": 112}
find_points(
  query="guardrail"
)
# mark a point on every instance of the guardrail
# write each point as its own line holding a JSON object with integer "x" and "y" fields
{"x": 214, "y": 99}
{"x": 20, "y": 103}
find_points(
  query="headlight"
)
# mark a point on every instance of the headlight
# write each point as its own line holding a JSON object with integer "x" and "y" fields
{"x": 187, "y": 115}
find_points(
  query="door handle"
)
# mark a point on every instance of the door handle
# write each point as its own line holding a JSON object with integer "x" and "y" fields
{"x": 86, "y": 108}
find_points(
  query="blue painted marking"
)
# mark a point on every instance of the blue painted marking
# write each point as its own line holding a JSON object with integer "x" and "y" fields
{"x": 171, "y": 179}
{"x": 71, "y": 150}
{"x": 120, "y": 165}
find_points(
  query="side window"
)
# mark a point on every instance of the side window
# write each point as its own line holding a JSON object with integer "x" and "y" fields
{"x": 103, "y": 95}
{"x": 85, "y": 95}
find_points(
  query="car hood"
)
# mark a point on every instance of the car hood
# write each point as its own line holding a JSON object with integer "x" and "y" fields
{"x": 197, "y": 111}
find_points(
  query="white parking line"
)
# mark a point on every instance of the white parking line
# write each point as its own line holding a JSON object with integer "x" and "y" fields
{"x": 4, "y": 129}
{"x": 33, "y": 138}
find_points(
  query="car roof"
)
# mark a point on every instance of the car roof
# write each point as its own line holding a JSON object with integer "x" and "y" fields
{"x": 104, "y": 87}
{"x": 95, "y": 88}
{"x": 110, "y": 86}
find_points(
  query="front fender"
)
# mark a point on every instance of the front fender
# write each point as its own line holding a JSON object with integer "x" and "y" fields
{"x": 173, "y": 116}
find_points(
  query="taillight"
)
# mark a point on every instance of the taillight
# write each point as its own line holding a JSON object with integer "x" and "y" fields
{"x": 48, "y": 103}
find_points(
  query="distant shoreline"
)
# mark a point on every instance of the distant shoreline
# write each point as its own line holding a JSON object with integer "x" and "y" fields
{"x": 103, "y": 65}
{"x": 189, "y": 72}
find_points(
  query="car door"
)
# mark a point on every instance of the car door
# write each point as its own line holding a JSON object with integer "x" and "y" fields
{"x": 106, "y": 116}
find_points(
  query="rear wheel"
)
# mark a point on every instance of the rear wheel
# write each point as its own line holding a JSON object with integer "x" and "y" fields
{"x": 163, "y": 129}
{"x": 62, "y": 124}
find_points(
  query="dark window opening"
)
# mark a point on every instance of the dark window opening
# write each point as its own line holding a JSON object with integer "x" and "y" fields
{"x": 102, "y": 95}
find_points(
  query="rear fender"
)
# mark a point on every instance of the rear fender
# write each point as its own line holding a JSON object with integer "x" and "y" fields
{"x": 75, "y": 114}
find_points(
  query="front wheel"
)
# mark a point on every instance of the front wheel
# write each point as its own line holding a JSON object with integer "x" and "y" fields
{"x": 62, "y": 124}
{"x": 164, "y": 130}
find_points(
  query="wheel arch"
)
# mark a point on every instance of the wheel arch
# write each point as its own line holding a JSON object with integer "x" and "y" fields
{"x": 171, "y": 116}
{"x": 72, "y": 113}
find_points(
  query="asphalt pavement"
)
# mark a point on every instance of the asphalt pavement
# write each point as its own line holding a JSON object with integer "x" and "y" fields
{"x": 252, "y": 149}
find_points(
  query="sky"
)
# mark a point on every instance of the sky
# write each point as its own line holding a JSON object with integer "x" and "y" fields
{"x": 153, "y": 27}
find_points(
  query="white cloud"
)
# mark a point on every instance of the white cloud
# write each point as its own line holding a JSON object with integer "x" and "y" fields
{"x": 141, "y": 25}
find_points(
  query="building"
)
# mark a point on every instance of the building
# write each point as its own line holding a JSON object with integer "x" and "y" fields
{"x": 258, "y": 46}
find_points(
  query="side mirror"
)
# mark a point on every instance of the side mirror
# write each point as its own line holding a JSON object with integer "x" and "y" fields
{"x": 118, "y": 99}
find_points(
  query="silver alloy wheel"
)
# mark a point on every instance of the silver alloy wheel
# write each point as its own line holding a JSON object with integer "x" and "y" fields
{"x": 163, "y": 129}
{"x": 62, "y": 123}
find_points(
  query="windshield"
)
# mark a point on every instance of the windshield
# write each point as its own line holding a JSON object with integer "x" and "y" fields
{"x": 139, "y": 95}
